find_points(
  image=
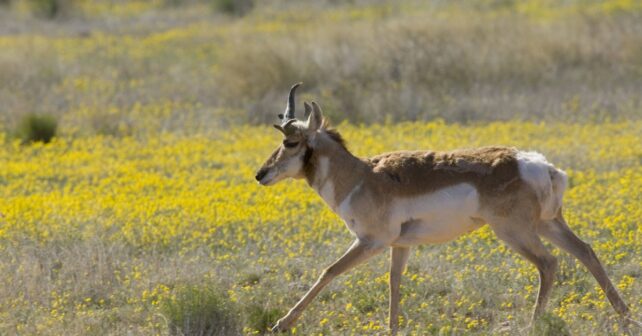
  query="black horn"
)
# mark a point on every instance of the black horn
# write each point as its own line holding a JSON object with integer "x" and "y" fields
{"x": 289, "y": 110}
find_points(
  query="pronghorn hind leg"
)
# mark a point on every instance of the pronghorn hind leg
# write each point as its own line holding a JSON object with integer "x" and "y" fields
{"x": 398, "y": 259}
{"x": 559, "y": 233}
{"x": 359, "y": 252}
{"x": 520, "y": 235}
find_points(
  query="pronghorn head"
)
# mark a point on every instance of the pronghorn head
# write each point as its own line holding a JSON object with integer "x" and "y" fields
{"x": 289, "y": 158}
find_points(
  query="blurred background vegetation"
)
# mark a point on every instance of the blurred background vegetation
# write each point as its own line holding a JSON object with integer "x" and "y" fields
{"x": 130, "y": 67}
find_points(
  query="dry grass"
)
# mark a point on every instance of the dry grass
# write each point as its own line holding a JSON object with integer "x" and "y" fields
{"x": 460, "y": 68}
{"x": 128, "y": 69}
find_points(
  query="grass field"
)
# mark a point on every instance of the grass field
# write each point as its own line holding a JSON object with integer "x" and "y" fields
{"x": 99, "y": 233}
{"x": 142, "y": 215}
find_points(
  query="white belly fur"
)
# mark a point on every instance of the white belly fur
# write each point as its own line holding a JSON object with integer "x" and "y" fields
{"x": 436, "y": 217}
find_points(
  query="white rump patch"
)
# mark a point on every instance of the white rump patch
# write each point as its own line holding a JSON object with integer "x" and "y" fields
{"x": 548, "y": 182}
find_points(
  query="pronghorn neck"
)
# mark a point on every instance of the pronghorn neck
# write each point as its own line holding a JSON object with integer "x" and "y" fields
{"x": 332, "y": 170}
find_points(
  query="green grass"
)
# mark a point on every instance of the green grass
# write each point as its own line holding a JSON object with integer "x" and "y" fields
{"x": 201, "y": 310}
{"x": 261, "y": 319}
{"x": 550, "y": 325}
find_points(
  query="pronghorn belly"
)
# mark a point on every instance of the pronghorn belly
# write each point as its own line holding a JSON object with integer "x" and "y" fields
{"x": 417, "y": 231}
{"x": 438, "y": 216}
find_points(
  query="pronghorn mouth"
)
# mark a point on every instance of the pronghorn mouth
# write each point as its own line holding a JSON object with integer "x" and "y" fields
{"x": 268, "y": 179}
{"x": 265, "y": 182}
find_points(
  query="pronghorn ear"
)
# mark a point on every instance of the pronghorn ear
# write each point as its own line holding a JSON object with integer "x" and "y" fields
{"x": 315, "y": 119}
{"x": 308, "y": 109}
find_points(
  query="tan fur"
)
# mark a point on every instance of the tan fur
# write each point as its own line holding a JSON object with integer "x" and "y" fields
{"x": 346, "y": 170}
{"x": 493, "y": 170}
{"x": 400, "y": 199}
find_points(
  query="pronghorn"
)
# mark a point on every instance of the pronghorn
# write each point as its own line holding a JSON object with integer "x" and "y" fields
{"x": 406, "y": 198}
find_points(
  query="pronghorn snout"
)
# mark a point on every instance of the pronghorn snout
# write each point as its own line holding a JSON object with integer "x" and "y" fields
{"x": 266, "y": 176}
{"x": 261, "y": 174}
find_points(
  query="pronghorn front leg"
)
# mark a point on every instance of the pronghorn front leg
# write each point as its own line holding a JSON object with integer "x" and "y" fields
{"x": 398, "y": 259}
{"x": 359, "y": 252}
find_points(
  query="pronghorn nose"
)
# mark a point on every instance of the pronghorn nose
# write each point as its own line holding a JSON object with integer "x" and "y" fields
{"x": 260, "y": 174}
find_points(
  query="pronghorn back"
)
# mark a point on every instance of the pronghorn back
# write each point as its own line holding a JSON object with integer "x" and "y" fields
{"x": 496, "y": 172}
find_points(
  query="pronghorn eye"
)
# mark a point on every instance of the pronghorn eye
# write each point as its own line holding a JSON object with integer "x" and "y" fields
{"x": 290, "y": 144}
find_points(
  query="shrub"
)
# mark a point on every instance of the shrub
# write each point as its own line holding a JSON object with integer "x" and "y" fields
{"x": 50, "y": 9}
{"x": 233, "y": 7}
{"x": 549, "y": 324}
{"x": 261, "y": 318}
{"x": 200, "y": 310}
{"x": 36, "y": 127}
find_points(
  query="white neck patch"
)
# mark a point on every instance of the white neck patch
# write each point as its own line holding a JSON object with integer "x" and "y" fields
{"x": 322, "y": 184}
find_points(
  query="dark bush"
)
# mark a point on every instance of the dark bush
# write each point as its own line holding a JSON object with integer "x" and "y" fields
{"x": 233, "y": 7}
{"x": 261, "y": 318}
{"x": 549, "y": 324}
{"x": 200, "y": 310}
{"x": 34, "y": 127}
{"x": 51, "y": 9}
